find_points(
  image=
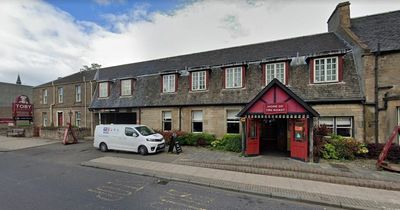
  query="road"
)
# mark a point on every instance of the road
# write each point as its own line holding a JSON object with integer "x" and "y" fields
{"x": 50, "y": 177}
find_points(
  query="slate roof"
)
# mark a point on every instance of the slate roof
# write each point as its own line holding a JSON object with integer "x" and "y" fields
{"x": 383, "y": 28}
{"x": 302, "y": 46}
{"x": 76, "y": 77}
{"x": 9, "y": 91}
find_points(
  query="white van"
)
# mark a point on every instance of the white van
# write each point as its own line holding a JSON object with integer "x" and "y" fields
{"x": 134, "y": 138}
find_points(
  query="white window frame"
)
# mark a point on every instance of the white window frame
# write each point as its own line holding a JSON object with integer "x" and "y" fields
{"x": 78, "y": 119}
{"x": 166, "y": 120}
{"x": 44, "y": 96}
{"x": 197, "y": 121}
{"x": 334, "y": 125}
{"x": 169, "y": 81}
{"x": 126, "y": 87}
{"x": 78, "y": 93}
{"x": 273, "y": 67}
{"x": 45, "y": 119}
{"x": 235, "y": 120}
{"x": 103, "y": 93}
{"x": 199, "y": 80}
{"x": 234, "y": 77}
{"x": 325, "y": 65}
{"x": 60, "y": 93}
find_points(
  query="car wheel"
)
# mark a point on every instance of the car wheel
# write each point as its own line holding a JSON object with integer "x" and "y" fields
{"x": 103, "y": 147}
{"x": 143, "y": 150}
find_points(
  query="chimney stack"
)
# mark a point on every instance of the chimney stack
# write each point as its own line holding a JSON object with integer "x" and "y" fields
{"x": 340, "y": 18}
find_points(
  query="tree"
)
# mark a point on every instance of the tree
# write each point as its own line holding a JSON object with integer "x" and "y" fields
{"x": 93, "y": 66}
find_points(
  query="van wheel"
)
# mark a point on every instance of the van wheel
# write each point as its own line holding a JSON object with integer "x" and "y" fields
{"x": 103, "y": 147}
{"x": 143, "y": 150}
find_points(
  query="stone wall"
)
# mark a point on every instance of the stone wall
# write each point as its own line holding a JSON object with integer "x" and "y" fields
{"x": 214, "y": 118}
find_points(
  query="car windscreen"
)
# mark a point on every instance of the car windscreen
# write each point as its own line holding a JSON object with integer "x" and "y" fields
{"x": 145, "y": 131}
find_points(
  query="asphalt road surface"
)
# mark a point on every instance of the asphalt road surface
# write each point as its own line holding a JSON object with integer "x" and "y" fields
{"x": 50, "y": 177}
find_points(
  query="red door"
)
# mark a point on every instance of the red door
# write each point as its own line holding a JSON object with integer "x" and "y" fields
{"x": 60, "y": 119}
{"x": 299, "y": 139}
{"x": 253, "y": 137}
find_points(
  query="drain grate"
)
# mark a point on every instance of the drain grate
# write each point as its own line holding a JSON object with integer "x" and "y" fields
{"x": 162, "y": 181}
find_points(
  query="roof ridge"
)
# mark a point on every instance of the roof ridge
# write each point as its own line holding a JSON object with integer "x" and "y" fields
{"x": 378, "y": 14}
{"x": 234, "y": 47}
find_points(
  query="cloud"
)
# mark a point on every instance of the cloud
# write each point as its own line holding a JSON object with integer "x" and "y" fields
{"x": 42, "y": 42}
{"x": 108, "y": 2}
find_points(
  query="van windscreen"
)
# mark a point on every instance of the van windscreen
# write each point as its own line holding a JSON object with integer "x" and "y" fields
{"x": 145, "y": 131}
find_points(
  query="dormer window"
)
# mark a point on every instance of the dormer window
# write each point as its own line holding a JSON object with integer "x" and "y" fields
{"x": 103, "y": 90}
{"x": 326, "y": 70}
{"x": 198, "y": 80}
{"x": 168, "y": 83}
{"x": 275, "y": 70}
{"x": 234, "y": 77}
{"x": 126, "y": 87}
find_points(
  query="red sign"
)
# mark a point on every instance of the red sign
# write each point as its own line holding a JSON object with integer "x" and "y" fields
{"x": 278, "y": 108}
{"x": 22, "y": 108}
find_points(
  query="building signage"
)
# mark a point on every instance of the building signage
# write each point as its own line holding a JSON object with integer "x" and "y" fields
{"x": 22, "y": 108}
{"x": 278, "y": 108}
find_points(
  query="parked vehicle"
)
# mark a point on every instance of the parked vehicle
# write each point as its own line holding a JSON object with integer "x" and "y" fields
{"x": 134, "y": 138}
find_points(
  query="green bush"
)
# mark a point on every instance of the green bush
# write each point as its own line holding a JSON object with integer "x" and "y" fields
{"x": 230, "y": 142}
{"x": 196, "y": 139}
{"x": 338, "y": 147}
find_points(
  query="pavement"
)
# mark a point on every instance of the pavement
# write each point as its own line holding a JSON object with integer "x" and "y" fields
{"x": 344, "y": 196}
{"x": 16, "y": 143}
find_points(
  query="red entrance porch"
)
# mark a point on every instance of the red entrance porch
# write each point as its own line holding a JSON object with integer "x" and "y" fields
{"x": 278, "y": 119}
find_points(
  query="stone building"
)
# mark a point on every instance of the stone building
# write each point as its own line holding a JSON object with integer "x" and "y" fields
{"x": 8, "y": 93}
{"x": 273, "y": 93}
{"x": 65, "y": 100}
{"x": 375, "y": 43}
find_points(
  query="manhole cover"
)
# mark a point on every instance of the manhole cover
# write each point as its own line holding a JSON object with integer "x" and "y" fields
{"x": 341, "y": 167}
{"x": 162, "y": 181}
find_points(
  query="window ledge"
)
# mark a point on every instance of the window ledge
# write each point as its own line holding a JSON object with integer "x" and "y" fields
{"x": 168, "y": 93}
{"x": 198, "y": 91}
{"x": 233, "y": 89}
{"x": 102, "y": 98}
{"x": 327, "y": 83}
{"x": 127, "y": 96}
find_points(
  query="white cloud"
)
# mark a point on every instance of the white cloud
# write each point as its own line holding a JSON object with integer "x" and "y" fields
{"x": 42, "y": 42}
{"x": 108, "y": 2}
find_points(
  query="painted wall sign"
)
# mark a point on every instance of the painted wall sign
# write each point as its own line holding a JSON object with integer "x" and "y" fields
{"x": 278, "y": 108}
{"x": 22, "y": 108}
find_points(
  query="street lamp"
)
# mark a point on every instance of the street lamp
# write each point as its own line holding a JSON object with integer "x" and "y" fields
{"x": 70, "y": 117}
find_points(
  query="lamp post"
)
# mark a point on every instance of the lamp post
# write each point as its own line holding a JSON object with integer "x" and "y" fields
{"x": 70, "y": 117}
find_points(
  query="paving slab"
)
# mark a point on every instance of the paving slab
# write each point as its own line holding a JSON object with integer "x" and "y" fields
{"x": 282, "y": 187}
{"x": 16, "y": 143}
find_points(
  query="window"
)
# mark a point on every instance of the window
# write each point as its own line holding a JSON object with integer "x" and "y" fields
{"x": 103, "y": 89}
{"x": 199, "y": 80}
{"x": 126, "y": 87}
{"x": 130, "y": 132}
{"x": 233, "y": 77}
{"x": 78, "y": 119}
{"x": 60, "y": 92}
{"x": 326, "y": 70}
{"x": 338, "y": 125}
{"x": 167, "y": 121}
{"x": 253, "y": 129}
{"x": 44, "y": 96}
{"x": 44, "y": 119}
{"x": 78, "y": 93}
{"x": 197, "y": 121}
{"x": 275, "y": 70}
{"x": 232, "y": 122}
{"x": 169, "y": 83}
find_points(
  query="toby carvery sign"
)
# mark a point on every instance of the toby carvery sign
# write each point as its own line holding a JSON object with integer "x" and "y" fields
{"x": 22, "y": 108}
{"x": 278, "y": 108}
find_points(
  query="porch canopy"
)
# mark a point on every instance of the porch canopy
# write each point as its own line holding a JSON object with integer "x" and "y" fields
{"x": 277, "y": 101}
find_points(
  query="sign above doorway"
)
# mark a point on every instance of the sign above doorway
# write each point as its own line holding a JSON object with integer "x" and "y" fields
{"x": 276, "y": 108}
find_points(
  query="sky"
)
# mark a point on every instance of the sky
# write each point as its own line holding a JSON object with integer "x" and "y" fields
{"x": 42, "y": 40}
